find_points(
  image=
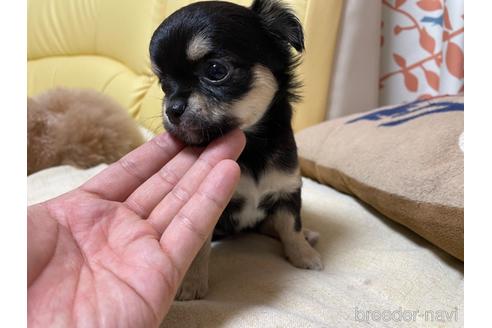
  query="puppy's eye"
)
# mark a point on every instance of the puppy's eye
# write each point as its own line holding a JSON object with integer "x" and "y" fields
{"x": 216, "y": 72}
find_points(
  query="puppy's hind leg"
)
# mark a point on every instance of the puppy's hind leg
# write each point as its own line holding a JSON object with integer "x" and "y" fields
{"x": 195, "y": 282}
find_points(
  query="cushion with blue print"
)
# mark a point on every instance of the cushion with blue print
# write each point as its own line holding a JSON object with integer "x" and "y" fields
{"x": 406, "y": 161}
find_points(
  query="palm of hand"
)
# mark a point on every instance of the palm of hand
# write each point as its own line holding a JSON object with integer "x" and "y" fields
{"x": 113, "y": 252}
{"x": 116, "y": 266}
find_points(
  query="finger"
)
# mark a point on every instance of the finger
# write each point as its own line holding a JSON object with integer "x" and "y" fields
{"x": 143, "y": 200}
{"x": 149, "y": 194}
{"x": 121, "y": 178}
{"x": 228, "y": 147}
{"x": 187, "y": 232}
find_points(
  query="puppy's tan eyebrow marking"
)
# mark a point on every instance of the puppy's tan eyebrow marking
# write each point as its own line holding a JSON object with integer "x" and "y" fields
{"x": 198, "y": 47}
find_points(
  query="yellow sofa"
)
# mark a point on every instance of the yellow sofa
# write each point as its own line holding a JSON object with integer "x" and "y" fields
{"x": 103, "y": 45}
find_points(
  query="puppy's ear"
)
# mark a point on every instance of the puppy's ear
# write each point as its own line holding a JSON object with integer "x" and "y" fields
{"x": 280, "y": 21}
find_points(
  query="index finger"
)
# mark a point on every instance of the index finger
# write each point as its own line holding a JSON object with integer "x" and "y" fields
{"x": 121, "y": 178}
{"x": 189, "y": 229}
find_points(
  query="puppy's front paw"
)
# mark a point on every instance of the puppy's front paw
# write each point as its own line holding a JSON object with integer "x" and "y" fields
{"x": 192, "y": 289}
{"x": 311, "y": 236}
{"x": 304, "y": 256}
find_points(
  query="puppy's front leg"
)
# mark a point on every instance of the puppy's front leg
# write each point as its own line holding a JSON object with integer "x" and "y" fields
{"x": 297, "y": 248}
{"x": 266, "y": 227}
{"x": 195, "y": 283}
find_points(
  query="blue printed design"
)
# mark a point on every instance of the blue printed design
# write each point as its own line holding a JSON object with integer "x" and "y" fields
{"x": 407, "y": 112}
{"x": 433, "y": 20}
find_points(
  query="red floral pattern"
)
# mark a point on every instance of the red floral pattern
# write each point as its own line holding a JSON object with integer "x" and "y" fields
{"x": 422, "y": 49}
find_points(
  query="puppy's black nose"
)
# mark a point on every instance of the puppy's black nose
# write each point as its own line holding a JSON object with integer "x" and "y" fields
{"x": 175, "y": 109}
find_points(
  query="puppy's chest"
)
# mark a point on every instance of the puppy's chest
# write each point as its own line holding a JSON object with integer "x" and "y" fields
{"x": 255, "y": 196}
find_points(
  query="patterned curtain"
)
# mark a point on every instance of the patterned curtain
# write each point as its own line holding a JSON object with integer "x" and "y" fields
{"x": 422, "y": 49}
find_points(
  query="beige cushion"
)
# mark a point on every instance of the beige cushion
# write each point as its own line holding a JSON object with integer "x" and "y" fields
{"x": 405, "y": 161}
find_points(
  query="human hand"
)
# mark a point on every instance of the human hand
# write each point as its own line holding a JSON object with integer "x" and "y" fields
{"x": 113, "y": 252}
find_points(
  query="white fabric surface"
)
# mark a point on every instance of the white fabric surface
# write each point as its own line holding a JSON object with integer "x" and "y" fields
{"x": 55, "y": 181}
{"x": 371, "y": 264}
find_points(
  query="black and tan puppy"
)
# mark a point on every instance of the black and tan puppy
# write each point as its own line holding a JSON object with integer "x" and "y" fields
{"x": 223, "y": 66}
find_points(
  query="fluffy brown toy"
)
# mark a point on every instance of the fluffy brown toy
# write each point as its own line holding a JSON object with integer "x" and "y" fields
{"x": 75, "y": 127}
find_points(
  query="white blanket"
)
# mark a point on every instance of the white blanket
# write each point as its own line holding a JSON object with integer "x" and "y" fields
{"x": 377, "y": 273}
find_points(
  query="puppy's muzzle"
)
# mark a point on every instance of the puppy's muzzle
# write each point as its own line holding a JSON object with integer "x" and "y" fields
{"x": 175, "y": 109}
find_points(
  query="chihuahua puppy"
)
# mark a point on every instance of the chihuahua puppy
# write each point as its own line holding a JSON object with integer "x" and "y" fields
{"x": 223, "y": 66}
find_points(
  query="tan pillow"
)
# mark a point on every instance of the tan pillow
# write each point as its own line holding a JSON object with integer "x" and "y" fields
{"x": 405, "y": 161}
